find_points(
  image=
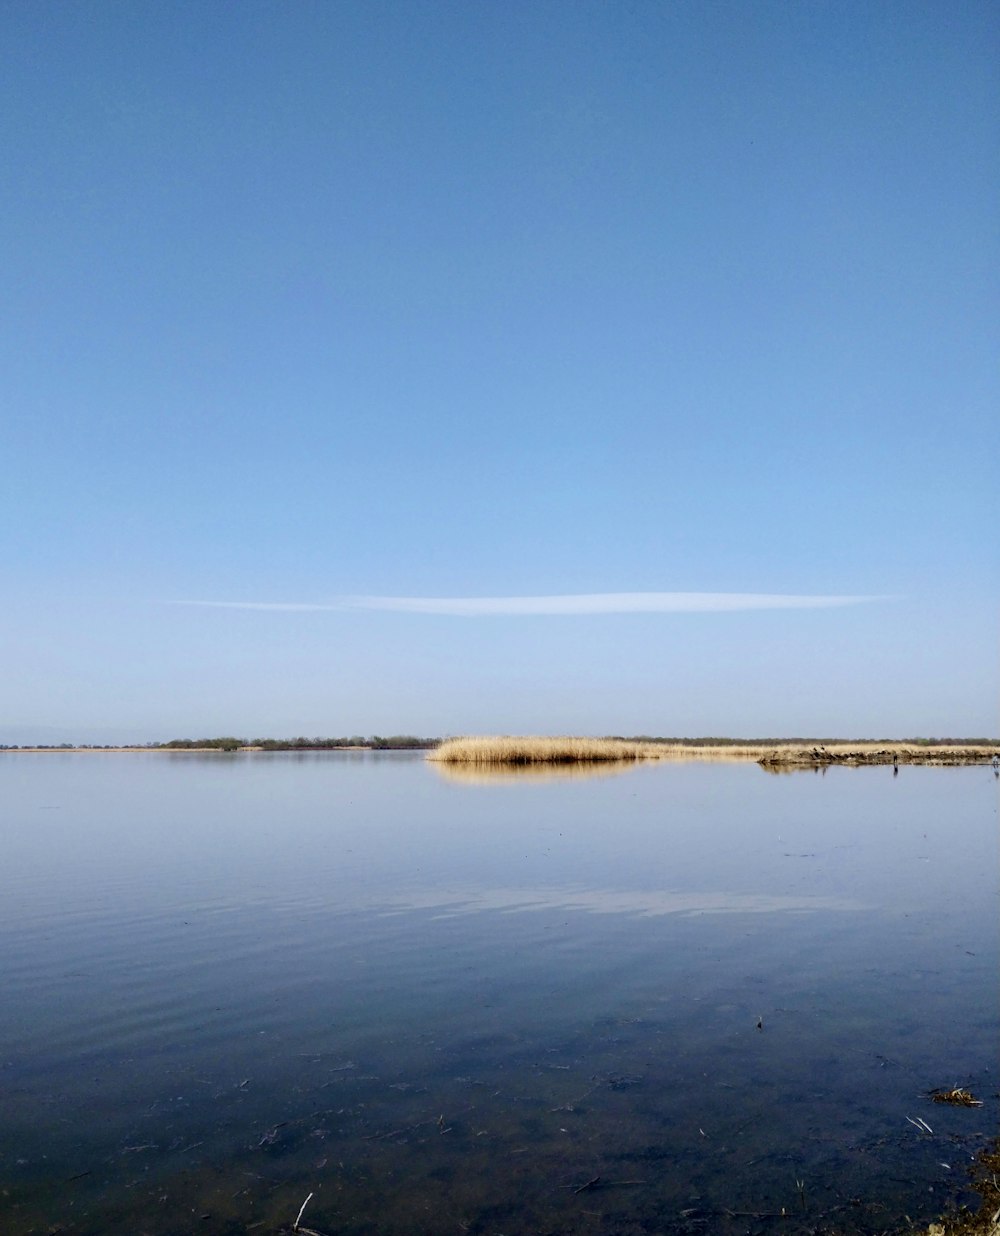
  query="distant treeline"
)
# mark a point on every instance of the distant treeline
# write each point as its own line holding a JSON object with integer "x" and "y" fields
{"x": 409, "y": 742}
{"x": 374, "y": 742}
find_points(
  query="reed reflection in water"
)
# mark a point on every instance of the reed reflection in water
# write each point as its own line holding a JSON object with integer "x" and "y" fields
{"x": 511, "y": 774}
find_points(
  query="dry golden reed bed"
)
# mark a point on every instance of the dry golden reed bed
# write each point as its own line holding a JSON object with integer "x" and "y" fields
{"x": 534, "y": 749}
{"x": 509, "y": 749}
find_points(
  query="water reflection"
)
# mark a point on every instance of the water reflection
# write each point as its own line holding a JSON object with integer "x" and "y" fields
{"x": 508, "y": 774}
{"x": 650, "y": 903}
{"x": 231, "y": 981}
{"x": 782, "y": 770}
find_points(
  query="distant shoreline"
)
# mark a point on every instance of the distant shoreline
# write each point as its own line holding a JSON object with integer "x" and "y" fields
{"x": 769, "y": 753}
{"x": 855, "y": 755}
{"x": 249, "y": 749}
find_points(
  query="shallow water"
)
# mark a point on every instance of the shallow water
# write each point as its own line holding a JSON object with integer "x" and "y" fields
{"x": 445, "y": 1006}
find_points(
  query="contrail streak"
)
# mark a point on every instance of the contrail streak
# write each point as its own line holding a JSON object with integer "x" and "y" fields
{"x": 582, "y": 603}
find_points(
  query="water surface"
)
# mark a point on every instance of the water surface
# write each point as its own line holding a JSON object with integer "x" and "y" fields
{"x": 444, "y": 1005}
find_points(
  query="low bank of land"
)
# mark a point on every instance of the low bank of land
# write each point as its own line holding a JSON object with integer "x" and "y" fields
{"x": 528, "y": 749}
{"x": 536, "y": 750}
{"x": 854, "y": 754}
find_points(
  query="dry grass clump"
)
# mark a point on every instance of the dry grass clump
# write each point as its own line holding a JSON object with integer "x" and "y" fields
{"x": 957, "y": 1097}
{"x": 508, "y": 749}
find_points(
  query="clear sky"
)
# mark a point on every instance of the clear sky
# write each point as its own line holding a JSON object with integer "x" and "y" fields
{"x": 366, "y": 318}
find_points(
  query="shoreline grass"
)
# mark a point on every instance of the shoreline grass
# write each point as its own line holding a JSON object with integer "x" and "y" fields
{"x": 536, "y": 749}
{"x": 527, "y": 750}
{"x": 531, "y": 749}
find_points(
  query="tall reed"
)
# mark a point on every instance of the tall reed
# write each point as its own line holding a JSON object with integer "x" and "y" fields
{"x": 530, "y": 749}
{"x": 512, "y": 750}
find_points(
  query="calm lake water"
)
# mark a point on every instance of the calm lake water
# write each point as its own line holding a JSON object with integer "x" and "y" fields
{"x": 444, "y": 1006}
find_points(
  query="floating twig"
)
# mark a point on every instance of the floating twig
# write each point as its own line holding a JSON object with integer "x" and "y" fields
{"x": 271, "y": 1134}
{"x": 409, "y": 1128}
{"x": 589, "y": 1185}
{"x": 599, "y": 1183}
{"x": 571, "y": 1105}
{"x": 302, "y": 1210}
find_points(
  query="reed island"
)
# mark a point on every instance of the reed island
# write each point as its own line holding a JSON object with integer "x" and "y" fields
{"x": 524, "y": 750}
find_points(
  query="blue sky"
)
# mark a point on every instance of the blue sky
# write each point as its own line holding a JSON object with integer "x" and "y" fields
{"x": 316, "y": 302}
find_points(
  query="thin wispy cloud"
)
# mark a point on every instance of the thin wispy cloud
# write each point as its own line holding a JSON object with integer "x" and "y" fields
{"x": 581, "y": 603}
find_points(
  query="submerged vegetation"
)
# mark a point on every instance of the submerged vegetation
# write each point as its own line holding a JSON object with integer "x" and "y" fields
{"x": 985, "y": 1219}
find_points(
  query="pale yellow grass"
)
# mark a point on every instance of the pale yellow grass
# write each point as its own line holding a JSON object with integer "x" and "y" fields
{"x": 527, "y": 750}
{"x": 535, "y": 749}
{"x": 531, "y": 749}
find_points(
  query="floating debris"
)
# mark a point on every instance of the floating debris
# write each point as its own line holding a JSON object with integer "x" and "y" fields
{"x": 956, "y": 1096}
